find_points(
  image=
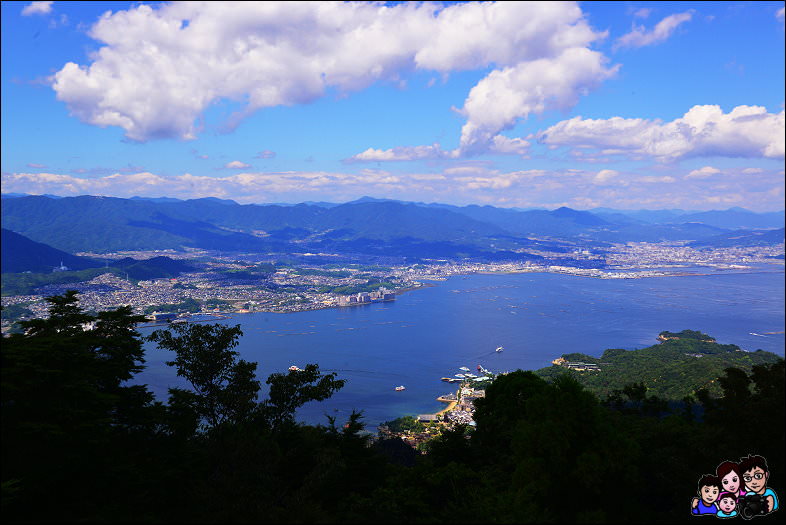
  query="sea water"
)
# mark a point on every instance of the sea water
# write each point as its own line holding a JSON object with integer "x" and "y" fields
{"x": 429, "y": 333}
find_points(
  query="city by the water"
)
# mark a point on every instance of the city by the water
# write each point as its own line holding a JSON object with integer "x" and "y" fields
{"x": 430, "y": 333}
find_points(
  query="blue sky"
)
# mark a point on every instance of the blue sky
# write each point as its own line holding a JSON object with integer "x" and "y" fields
{"x": 626, "y": 105}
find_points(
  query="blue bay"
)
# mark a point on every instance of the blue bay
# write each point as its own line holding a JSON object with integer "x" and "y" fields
{"x": 428, "y": 333}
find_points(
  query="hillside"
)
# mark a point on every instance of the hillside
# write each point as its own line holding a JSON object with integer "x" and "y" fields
{"x": 20, "y": 254}
{"x": 672, "y": 369}
{"x": 365, "y": 226}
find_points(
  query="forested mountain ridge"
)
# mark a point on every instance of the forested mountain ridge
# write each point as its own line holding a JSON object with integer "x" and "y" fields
{"x": 101, "y": 224}
{"x": 673, "y": 369}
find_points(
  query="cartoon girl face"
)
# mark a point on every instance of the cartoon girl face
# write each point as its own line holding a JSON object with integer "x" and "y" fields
{"x": 731, "y": 482}
{"x": 727, "y": 504}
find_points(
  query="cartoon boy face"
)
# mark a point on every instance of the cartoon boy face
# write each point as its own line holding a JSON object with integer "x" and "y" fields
{"x": 731, "y": 482}
{"x": 727, "y": 503}
{"x": 709, "y": 493}
{"x": 755, "y": 479}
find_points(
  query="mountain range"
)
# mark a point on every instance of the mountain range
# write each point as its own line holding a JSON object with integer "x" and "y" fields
{"x": 366, "y": 226}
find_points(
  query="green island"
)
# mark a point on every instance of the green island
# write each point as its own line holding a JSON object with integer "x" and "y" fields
{"x": 679, "y": 366}
{"x": 82, "y": 443}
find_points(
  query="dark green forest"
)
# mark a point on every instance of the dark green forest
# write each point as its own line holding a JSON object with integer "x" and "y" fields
{"x": 79, "y": 444}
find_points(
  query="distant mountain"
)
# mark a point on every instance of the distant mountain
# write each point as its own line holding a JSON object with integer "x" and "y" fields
{"x": 742, "y": 238}
{"x": 736, "y": 218}
{"x": 155, "y": 199}
{"x": 17, "y": 195}
{"x": 20, "y": 254}
{"x": 153, "y": 268}
{"x": 648, "y": 216}
{"x": 370, "y": 226}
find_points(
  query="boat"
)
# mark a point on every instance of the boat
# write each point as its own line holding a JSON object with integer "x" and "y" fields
{"x": 499, "y": 349}
{"x": 400, "y": 388}
{"x": 471, "y": 376}
{"x": 464, "y": 368}
{"x": 459, "y": 375}
{"x": 293, "y": 368}
{"x": 480, "y": 368}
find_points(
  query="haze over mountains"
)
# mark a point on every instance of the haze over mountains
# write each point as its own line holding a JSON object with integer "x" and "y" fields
{"x": 369, "y": 226}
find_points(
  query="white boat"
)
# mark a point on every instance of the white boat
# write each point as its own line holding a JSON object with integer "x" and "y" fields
{"x": 499, "y": 349}
{"x": 471, "y": 376}
{"x": 400, "y": 388}
{"x": 459, "y": 375}
{"x": 293, "y": 368}
{"x": 464, "y": 368}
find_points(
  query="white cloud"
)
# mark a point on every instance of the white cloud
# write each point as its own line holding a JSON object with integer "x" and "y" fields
{"x": 605, "y": 177}
{"x": 265, "y": 154}
{"x": 752, "y": 171}
{"x": 506, "y": 95}
{"x": 37, "y": 8}
{"x": 703, "y": 173}
{"x": 746, "y": 131}
{"x": 640, "y": 37}
{"x": 156, "y": 73}
{"x": 642, "y": 13}
{"x": 780, "y": 14}
{"x": 404, "y": 153}
{"x": 35, "y": 165}
{"x": 236, "y": 165}
{"x": 459, "y": 184}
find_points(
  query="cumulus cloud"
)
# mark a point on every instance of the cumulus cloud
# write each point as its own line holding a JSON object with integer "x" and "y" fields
{"x": 37, "y": 8}
{"x": 605, "y": 177}
{"x": 640, "y": 37}
{"x": 236, "y": 165}
{"x": 703, "y": 173}
{"x": 161, "y": 67}
{"x": 458, "y": 184}
{"x": 502, "y": 98}
{"x": 746, "y": 131}
{"x": 404, "y": 153}
{"x": 642, "y": 13}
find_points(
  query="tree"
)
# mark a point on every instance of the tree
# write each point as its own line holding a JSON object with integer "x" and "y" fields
{"x": 65, "y": 407}
{"x": 225, "y": 389}
{"x": 290, "y": 391}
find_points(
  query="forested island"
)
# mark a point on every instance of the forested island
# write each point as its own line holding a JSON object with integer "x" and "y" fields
{"x": 680, "y": 366}
{"x": 81, "y": 444}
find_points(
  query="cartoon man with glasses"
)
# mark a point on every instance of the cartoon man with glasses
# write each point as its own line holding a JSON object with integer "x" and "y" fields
{"x": 755, "y": 475}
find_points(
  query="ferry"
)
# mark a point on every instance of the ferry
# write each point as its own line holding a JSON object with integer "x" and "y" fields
{"x": 293, "y": 368}
{"x": 499, "y": 349}
{"x": 400, "y": 388}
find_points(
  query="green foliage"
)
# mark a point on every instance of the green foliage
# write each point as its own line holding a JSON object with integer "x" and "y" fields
{"x": 79, "y": 444}
{"x": 26, "y": 283}
{"x": 324, "y": 273}
{"x": 224, "y": 388}
{"x": 672, "y": 370}
{"x": 189, "y": 304}
{"x": 405, "y": 424}
{"x": 686, "y": 334}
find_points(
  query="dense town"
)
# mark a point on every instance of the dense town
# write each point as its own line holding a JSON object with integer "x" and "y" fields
{"x": 213, "y": 289}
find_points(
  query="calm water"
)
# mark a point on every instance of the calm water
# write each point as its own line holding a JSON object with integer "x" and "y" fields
{"x": 427, "y": 334}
